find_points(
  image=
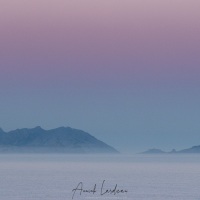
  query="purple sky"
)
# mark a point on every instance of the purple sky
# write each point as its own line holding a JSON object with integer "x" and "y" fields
{"x": 114, "y": 68}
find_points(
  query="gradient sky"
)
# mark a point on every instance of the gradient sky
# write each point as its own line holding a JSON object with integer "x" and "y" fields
{"x": 126, "y": 71}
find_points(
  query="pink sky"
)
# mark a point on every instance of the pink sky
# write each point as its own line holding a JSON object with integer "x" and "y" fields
{"x": 107, "y": 66}
{"x": 98, "y": 37}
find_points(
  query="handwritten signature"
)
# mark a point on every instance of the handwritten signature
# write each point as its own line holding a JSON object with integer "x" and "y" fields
{"x": 103, "y": 191}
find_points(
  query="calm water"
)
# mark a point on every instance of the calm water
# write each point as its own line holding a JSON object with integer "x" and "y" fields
{"x": 52, "y": 177}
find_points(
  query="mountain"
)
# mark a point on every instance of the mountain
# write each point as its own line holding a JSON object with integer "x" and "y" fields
{"x": 153, "y": 151}
{"x": 194, "y": 149}
{"x": 59, "y": 140}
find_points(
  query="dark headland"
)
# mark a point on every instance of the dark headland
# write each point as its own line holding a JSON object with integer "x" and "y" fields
{"x": 59, "y": 140}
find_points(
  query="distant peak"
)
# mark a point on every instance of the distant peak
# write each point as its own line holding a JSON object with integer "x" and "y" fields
{"x": 62, "y": 139}
{"x": 38, "y": 128}
{"x": 153, "y": 151}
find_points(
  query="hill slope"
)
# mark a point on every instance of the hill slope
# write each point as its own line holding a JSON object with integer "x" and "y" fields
{"x": 66, "y": 140}
{"x": 194, "y": 149}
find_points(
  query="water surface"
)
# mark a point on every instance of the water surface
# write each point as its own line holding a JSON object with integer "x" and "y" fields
{"x": 145, "y": 177}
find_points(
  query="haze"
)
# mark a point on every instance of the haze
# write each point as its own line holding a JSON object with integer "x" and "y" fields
{"x": 125, "y": 71}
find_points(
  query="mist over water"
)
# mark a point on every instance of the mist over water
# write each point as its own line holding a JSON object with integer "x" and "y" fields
{"x": 53, "y": 177}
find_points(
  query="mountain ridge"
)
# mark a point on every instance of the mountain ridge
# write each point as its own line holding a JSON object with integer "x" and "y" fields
{"x": 61, "y": 139}
{"x": 194, "y": 149}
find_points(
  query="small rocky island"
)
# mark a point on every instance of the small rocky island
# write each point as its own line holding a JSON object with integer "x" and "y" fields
{"x": 59, "y": 140}
{"x": 194, "y": 149}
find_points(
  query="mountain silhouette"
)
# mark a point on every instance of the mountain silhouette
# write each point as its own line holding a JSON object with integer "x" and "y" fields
{"x": 153, "y": 151}
{"x": 62, "y": 139}
{"x": 194, "y": 149}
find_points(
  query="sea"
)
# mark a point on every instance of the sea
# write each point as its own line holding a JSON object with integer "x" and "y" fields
{"x": 99, "y": 177}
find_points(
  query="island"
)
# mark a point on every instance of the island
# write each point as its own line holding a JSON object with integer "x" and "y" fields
{"x": 194, "y": 149}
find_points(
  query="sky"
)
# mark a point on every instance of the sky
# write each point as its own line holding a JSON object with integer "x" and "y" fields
{"x": 125, "y": 71}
